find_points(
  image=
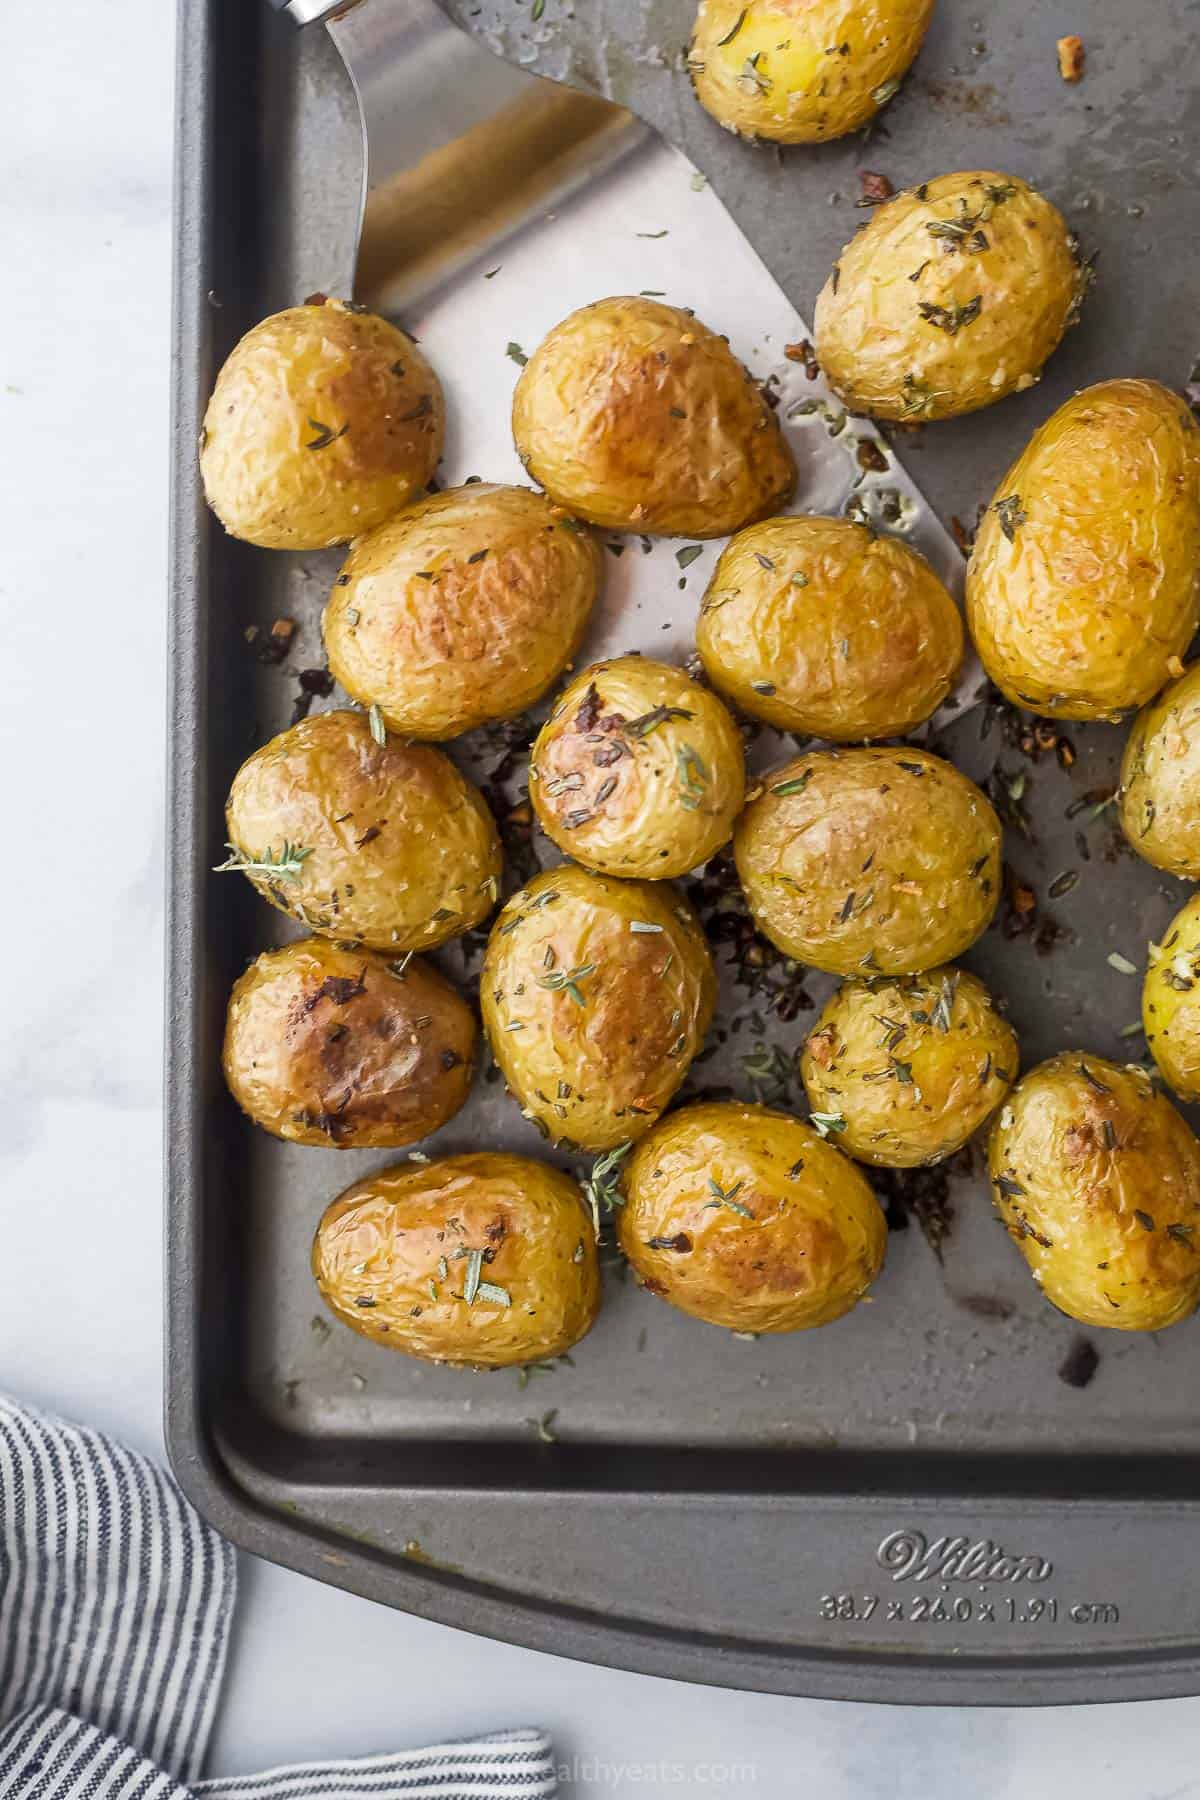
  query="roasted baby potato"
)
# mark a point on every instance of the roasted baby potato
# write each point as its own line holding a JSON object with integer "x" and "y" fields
{"x": 461, "y": 609}
{"x": 749, "y": 1219}
{"x": 383, "y": 844}
{"x": 870, "y": 862}
{"x": 482, "y": 1261}
{"x": 1083, "y": 588}
{"x": 324, "y": 421}
{"x": 1171, "y": 1002}
{"x": 325, "y": 1045}
{"x": 638, "y": 771}
{"x": 905, "y": 1070}
{"x": 824, "y": 627}
{"x": 1159, "y": 799}
{"x": 802, "y": 74}
{"x": 953, "y": 295}
{"x": 1097, "y": 1179}
{"x": 636, "y": 416}
{"x": 596, "y": 995}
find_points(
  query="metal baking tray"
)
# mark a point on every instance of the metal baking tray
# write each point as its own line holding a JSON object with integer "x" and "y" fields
{"x": 911, "y": 1505}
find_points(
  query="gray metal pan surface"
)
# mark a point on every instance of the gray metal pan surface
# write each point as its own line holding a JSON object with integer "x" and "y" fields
{"x": 910, "y": 1505}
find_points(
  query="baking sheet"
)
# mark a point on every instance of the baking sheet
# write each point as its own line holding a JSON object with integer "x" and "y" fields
{"x": 440, "y": 1491}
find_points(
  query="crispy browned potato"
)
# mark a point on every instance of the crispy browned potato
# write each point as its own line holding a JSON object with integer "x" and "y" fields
{"x": 596, "y": 995}
{"x": 1083, "y": 588}
{"x": 326, "y": 1045}
{"x": 324, "y": 421}
{"x": 638, "y": 771}
{"x": 953, "y": 296}
{"x": 462, "y": 609}
{"x": 1159, "y": 799}
{"x": 482, "y": 1261}
{"x": 870, "y": 862}
{"x": 905, "y": 1068}
{"x": 383, "y": 844}
{"x": 747, "y": 1218}
{"x": 636, "y": 416}
{"x": 802, "y": 74}
{"x": 1097, "y": 1180}
{"x": 1171, "y": 1002}
{"x": 825, "y": 627}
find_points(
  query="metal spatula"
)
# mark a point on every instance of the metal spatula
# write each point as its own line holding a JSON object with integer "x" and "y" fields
{"x": 470, "y": 162}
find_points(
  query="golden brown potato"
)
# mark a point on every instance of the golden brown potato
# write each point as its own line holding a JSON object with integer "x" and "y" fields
{"x": 1159, "y": 799}
{"x": 638, "y": 771}
{"x": 326, "y": 1045}
{"x": 953, "y": 295}
{"x": 747, "y": 1218}
{"x": 1097, "y": 1178}
{"x": 824, "y": 627}
{"x": 870, "y": 862}
{"x": 905, "y": 1070}
{"x": 1171, "y": 1002}
{"x": 802, "y": 74}
{"x": 636, "y": 416}
{"x": 482, "y": 1261}
{"x": 1083, "y": 588}
{"x": 596, "y": 995}
{"x": 461, "y": 609}
{"x": 385, "y": 844}
{"x": 324, "y": 421}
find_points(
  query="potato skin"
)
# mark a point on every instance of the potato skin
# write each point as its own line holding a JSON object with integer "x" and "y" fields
{"x": 461, "y": 609}
{"x": 1159, "y": 799}
{"x": 595, "y": 1074}
{"x": 323, "y": 422}
{"x": 389, "y": 1260}
{"x": 1097, "y": 1179}
{"x": 637, "y": 417}
{"x": 628, "y": 792}
{"x": 1084, "y": 583}
{"x": 1008, "y": 249}
{"x": 878, "y": 861}
{"x": 403, "y": 852}
{"x": 846, "y": 635}
{"x": 330, "y": 1046}
{"x": 797, "y": 91}
{"x": 913, "y": 1066}
{"x": 813, "y": 1247}
{"x": 1171, "y": 1002}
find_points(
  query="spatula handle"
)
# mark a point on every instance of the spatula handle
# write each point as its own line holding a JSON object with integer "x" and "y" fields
{"x": 309, "y": 12}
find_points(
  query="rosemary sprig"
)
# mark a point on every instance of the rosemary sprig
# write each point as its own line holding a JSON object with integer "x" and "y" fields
{"x": 288, "y": 863}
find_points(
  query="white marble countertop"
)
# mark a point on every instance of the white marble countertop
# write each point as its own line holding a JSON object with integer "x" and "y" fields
{"x": 85, "y": 146}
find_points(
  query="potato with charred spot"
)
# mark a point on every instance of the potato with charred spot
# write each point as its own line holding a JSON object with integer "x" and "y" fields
{"x": 325, "y": 1045}
{"x": 635, "y": 416}
{"x": 596, "y": 995}
{"x": 870, "y": 862}
{"x": 749, "y": 1219}
{"x": 383, "y": 844}
{"x": 1097, "y": 1180}
{"x": 953, "y": 296}
{"x": 826, "y": 627}
{"x": 638, "y": 771}
{"x": 324, "y": 421}
{"x": 1159, "y": 799}
{"x": 907, "y": 1068}
{"x": 1083, "y": 589}
{"x": 1171, "y": 1002}
{"x": 483, "y": 1261}
{"x": 462, "y": 609}
{"x": 802, "y": 71}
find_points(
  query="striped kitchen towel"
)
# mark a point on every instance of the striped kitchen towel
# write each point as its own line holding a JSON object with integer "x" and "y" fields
{"x": 115, "y": 1607}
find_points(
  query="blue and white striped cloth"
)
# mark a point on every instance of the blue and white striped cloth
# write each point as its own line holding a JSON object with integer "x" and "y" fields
{"x": 115, "y": 1607}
